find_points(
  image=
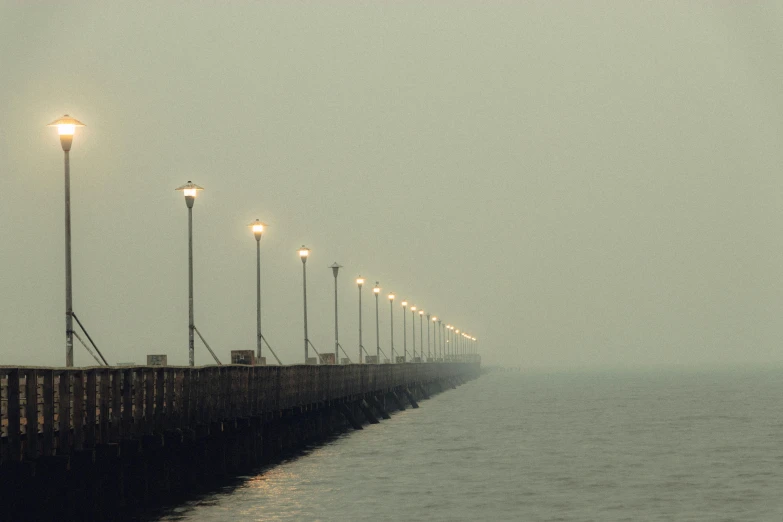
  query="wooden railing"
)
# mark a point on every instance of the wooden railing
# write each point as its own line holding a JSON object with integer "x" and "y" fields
{"x": 55, "y": 411}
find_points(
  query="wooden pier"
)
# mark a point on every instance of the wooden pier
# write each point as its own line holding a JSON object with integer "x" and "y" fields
{"x": 99, "y": 442}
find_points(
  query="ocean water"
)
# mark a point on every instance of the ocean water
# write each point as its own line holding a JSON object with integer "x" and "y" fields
{"x": 602, "y": 446}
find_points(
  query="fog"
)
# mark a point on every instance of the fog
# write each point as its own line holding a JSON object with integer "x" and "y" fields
{"x": 576, "y": 184}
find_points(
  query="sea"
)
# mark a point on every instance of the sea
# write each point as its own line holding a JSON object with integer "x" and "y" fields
{"x": 680, "y": 445}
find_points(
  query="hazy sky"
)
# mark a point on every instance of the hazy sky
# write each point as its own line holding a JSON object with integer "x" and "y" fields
{"x": 577, "y": 184}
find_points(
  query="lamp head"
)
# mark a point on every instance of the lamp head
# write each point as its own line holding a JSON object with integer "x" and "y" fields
{"x": 360, "y": 281}
{"x": 421, "y": 312}
{"x": 303, "y": 253}
{"x": 66, "y": 127}
{"x": 434, "y": 318}
{"x": 391, "y": 297}
{"x": 377, "y": 289}
{"x": 413, "y": 308}
{"x": 190, "y": 190}
{"x": 335, "y": 268}
{"x": 258, "y": 228}
{"x": 404, "y": 304}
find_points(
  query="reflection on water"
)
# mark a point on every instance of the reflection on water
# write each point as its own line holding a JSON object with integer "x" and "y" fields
{"x": 510, "y": 446}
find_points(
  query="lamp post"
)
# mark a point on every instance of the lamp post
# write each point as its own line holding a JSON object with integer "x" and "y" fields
{"x": 391, "y": 322}
{"x": 440, "y": 338}
{"x": 421, "y": 332}
{"x": 404, "y": 331}
{"x": 66, "y": 127}
{"x": 303, "y": 253}
{"x": 413, "y": 333}
{"x": 456, "y": 344}
{"x": 449, "y": 348}
{"x": 190, "y": 191}
{"x": 434, "y": 337}
{"x": 258, "y": 229}
{"x": 377, "y": 290}
{"x": 359, "y": 283}
{"x": 336, "y": 268}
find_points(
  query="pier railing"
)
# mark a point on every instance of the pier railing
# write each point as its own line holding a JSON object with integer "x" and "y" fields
{"x": 56, "y": 411}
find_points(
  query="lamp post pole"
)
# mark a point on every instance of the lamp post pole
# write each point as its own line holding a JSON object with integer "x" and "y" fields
{"x": 336, "y": 268}
{"x": 421, "y": 333}
{"x": 258, "y": 229}
{"x": 190, "y": 190}
{"x": 377, "y": 291}
{"x": 391, "y": 328}
{"x": 440, "y": 340}
{"x": 429, "y": 353}
{"x": 66, "y": 127}
{"x": 303, "y": 253}
{"x": 413, "y": 332}
{"x": 404, "y": 331}
{"x": 360, "y": 282}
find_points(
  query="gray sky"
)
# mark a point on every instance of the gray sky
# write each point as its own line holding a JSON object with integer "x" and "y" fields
{"x": 577, "y": 184}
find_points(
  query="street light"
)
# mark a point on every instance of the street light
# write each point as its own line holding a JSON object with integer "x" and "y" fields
{"x": 391, "y": 322}
{"x": 190, "y": 191}
{"x": 66, "y": 127}
{"x": 359, "y": 283}
{"x": 449, "y": 348}
{"x": 377, "y": 290}
{"x": 336, "y": 268}
{"x": 413, "y": 333}
{"x": 421, "y": 333}
{"x": 258, "y": 228}
{"x": 404, "y": 331}
{"x": 303, "y": 253}
{"x": 456, "y": 344}
{"x": 434, "y": 337}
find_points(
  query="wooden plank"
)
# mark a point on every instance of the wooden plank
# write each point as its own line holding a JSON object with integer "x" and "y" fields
{"x": 138, "y": 402}
{"x": 104, "y": 405}
{"x": 186, "y": 418}
{"x": 170, "y": 417}
{"x": 14, "y": 412}
{"x": 91, "y": 408}
{"x": 116, "y": 404}
{"x": 47, "y": 446}
{"x": 31, "y": 413}
{"x": 64, "y": 413}
{"x": 149, "y": 406}
{"x": 160, "y": 397}
{"x": 78, "y": 410}
{"x": 126, "y": 426}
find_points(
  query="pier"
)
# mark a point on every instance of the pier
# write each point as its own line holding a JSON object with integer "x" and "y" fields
{"x": 99, "y": 443}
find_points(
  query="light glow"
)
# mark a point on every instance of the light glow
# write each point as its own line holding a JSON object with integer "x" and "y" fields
{"x": 413, "y": 308}
{"x": 391, "y": 297}
{"x": 404, "y": 304}
{"x": 377, "y": 289}
{"x": 304, "y": 251}
{"x": 434, "y": 318}
{"x": 66, "y": 126}
{"x": 360, "y": 281}
{"x": 421, "y": 312}
{"x": 66, "y": 129}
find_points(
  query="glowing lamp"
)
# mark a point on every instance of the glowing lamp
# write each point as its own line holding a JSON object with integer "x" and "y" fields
{"x": 404, "y": 304}
{"x": 258, "y": 228}
{"x": 434, "y": 318}
{"x": 376, "y": 289}
{"x": 360, "y": 281}
{"x": 413, "y": 308}
{"x": 190, "y": 190}
{"x": 303, "y": 253}
{"x": 391, "y": 297}
{"x": 66, "y": 127}
{"x": 421, "y": 312}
